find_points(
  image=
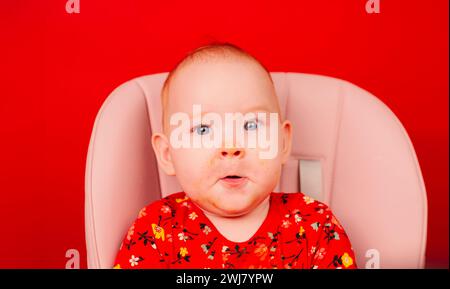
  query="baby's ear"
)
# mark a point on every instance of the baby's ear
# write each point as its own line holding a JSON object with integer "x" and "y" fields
{"x": 286, "y": 134}
{"x": 161, "y": 145}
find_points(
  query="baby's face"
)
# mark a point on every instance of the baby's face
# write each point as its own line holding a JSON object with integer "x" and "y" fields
{"x": 204, "y": 173}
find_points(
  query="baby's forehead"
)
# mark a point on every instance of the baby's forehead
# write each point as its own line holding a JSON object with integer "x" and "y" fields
{"x": 221, "y": 68}
{"x": 214, "y": 82}
{"x": 221, "y": 86}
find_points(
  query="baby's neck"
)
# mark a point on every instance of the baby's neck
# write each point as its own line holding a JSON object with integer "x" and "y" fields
{"x": 242, "y": 228}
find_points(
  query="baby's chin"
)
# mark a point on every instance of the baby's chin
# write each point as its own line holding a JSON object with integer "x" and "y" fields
{"x": 230, "y": 206}
{"x": 230, "y": 212}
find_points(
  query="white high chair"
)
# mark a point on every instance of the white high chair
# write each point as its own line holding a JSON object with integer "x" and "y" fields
{"x": 349, "y": 151}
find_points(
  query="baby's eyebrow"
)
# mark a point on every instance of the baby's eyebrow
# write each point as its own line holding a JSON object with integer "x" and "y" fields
{"x": 259, "y": 108}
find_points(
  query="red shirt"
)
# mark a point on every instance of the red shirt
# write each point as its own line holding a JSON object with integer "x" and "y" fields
{"x": 298, "y": 232}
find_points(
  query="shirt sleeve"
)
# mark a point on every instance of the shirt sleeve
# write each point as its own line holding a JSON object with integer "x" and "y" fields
{"x": 333, "y": 249}
{"x": 145, "y": 245}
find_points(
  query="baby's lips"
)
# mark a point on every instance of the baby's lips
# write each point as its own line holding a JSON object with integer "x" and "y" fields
{"x": 234, "y": 176}
{"x": 233, "y": 181}
{"x": 231, "y": 174}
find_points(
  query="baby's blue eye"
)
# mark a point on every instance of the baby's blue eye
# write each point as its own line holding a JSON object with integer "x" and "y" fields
{"x": 251, "y": 125}
{"x": 202, "y": 129}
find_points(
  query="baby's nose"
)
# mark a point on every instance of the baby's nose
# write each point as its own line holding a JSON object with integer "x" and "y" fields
{"x": 232, "y": 152}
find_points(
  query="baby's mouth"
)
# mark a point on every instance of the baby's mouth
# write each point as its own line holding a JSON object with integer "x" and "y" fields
{"x": 233, "y": 180}
{"x": 233, "y": 177}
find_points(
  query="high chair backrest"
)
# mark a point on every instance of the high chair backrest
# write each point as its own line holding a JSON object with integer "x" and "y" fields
{"x": 349, "y": 151}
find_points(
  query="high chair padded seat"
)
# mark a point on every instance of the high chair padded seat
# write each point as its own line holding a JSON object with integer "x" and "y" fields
{"x": 368, "y": 169}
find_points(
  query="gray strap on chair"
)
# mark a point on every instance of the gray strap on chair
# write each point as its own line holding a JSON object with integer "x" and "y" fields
{"x": 311, "y": 182}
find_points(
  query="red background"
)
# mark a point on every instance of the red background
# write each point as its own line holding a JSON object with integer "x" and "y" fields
{"x": 58, "y": 68}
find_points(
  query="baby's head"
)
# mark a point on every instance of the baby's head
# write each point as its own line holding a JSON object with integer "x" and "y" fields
{"x": 229, "y": 178}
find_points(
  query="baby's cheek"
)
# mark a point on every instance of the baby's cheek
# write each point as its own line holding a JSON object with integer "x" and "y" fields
{"x": 203, "y": 201}
{"x": 211, "y": 162}
{"x": 211, "y": 159}
{"x": 269, "y": 170}
{"x": 198, "y": 184}
{"x": 197, "y": 173}
{"x": 268, "y": 166}
{"x": 263, "y": 163}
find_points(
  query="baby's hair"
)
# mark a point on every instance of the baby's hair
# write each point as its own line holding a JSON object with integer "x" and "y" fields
{"x": 211, "y": 52}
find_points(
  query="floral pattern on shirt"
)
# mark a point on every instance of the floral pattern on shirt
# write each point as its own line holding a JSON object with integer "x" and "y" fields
{"x": 298, "y": 232}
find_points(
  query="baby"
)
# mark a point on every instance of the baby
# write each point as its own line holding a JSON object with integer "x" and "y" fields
{"x": 227, "y": 215}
